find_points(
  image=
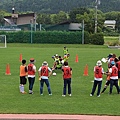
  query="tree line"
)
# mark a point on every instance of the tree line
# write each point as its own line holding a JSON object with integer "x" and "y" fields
{"x": 76, "y": 15}
{"x": 54, "y": 6}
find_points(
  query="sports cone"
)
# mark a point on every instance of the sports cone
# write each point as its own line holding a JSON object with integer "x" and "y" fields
{"x": 20, "y": 57}
{"x": 7, "y": 70}
{"x": 86, "y": 70}
{"x": 76, "y": 59}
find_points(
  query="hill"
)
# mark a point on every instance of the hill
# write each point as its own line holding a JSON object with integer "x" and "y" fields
{"x": 54, "y": 6}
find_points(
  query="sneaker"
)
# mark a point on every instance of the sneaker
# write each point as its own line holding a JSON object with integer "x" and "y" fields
{"x": 70, "y": 95}
{"x": 50, "y": 94}
{"x": 98, "y": 96}
{"x": 24, "y": 92}
{"x": 30, "y": 92}
{"x": 91, "y": 95}
{"x": 63, "y": 95}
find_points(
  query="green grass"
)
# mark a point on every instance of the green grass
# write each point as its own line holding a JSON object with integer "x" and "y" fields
{"x": 110, "y": 39}
{"x": 11, "y": 101}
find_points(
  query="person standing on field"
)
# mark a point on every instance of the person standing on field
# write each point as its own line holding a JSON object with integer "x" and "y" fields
{"x": 23, "y": 74}
{"x": 31, "y": 74}
{"x": 113, "y": 72}
{"x": 118, "y": 66}
{"x": 44, "y": 73}
{"x": 98, "y": 74}
{"x": 67, "y": 74}
{"x": 107, "y": 82}
{"x": 65, "y": 50}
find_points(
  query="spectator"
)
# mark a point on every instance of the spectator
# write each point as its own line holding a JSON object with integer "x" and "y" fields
{"x": 44, "y": 73}
{"x": 98, "y": 72}
{"x": 113, "y": 72}
{"x": 67, "y": 73}
{"x": 31, "y": 74}
{"x": 23, "y": 74}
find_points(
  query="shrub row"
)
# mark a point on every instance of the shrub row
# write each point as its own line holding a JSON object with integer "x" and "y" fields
{"x": 53, "y": 37}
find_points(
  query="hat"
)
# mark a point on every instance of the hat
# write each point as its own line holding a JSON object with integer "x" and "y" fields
{"x": 45, "y": 63}
{"x": 56, "y": 55}
{"x": 32, "y": 60}
{"x": 112, "y": 63}
{"x": 99, "y": 63}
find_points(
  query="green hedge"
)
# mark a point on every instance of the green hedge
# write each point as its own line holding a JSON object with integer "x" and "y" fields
{"x": 97, "y": 39}
{"x": 52, "y": 37}
{"x": 44, "y": 37}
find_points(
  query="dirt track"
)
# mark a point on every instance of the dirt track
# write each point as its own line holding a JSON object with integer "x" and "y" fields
{"x": 55, "y": 117}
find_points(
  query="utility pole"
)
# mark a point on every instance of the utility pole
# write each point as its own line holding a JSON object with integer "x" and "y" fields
{"x": 83, "y": 32}
{"x": 35, "y": 21}
{"x": 96, "y": 8}
{"x": 31, "y": 26}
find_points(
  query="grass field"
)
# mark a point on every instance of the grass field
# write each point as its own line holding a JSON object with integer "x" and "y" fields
{"x": 111, "y": 39}
{"x": 11, "y": 101}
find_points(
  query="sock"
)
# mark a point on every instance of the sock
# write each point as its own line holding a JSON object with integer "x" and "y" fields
{"x": 22, "y": 88}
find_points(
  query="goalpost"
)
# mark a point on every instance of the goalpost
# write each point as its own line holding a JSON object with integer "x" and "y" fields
{"x": 3, "y": 43}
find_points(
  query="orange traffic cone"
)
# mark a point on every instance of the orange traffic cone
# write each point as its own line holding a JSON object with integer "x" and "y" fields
{"x": 7, "y": 70}
{"x": 20, "y": 57}
{"x": 86, "y": 70}
{"x": 76, "y": 59}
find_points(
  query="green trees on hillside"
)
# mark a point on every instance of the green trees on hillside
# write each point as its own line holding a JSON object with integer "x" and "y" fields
{"x": 54, "y": 6}
{"x": 76, "y": 15}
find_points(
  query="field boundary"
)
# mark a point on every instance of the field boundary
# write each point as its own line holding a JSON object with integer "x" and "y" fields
{"x": 114, "y": 47}
{"x": 55, "y": 116}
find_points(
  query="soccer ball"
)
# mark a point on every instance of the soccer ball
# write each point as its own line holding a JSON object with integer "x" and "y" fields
{"x": 54, "y": 74}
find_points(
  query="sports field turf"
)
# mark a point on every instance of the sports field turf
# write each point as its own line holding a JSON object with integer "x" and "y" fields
{"x": 11, "y": 101}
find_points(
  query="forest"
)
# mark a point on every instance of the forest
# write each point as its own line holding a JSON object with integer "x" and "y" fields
{"x": 58, "y": 11}
{"x": 54, "y": 6}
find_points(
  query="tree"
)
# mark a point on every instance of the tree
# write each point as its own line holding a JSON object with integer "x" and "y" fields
{"x": 114, "y": 16}
{"x": 62, "y": 16}
{"x": 43, "y": 19}
{"x": 2, "y": 14}
{"x": 77, "y": 11}
{"x": 89, "y": 20}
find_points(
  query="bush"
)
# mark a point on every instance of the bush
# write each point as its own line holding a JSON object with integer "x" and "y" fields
{"x": 86, "y": 37}
{"x": 97, "y": 39}
{"x": 111, "y": 34}
{"x": 53, "y": 37}
{"x": 115, "y": 43}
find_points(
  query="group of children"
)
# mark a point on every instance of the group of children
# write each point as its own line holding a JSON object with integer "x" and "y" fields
{"x": 59, "y": 60}
{"x": 113, "y": 75}
{"x": 44, "y": 73}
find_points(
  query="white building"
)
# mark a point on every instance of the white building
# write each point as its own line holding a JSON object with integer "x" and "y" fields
{"x": 110, "y": 24}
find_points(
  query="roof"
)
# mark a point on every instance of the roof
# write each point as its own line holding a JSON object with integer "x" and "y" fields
{"x": 110, "y": 22}
{"x": 22, "y": 15}
{"x": 75, "y": 26}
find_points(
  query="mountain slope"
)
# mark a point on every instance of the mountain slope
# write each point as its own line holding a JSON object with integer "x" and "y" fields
{"x": 54, "y": 6}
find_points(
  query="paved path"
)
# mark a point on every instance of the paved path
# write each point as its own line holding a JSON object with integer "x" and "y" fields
{"x": 55, "y": 117}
